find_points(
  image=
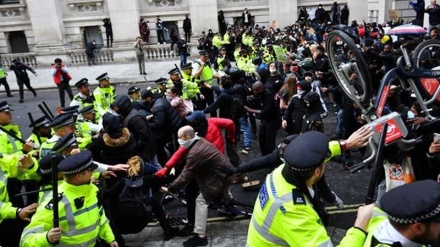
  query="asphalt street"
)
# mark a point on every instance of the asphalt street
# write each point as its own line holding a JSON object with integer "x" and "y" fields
{"x": 351, "y": 188}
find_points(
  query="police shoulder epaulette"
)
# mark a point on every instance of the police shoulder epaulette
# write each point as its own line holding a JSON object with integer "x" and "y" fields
{"x": 298, "y": 197}
{"x": 50, "y": 203}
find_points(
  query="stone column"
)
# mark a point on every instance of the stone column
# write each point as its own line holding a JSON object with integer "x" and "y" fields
{"x": 358, "y": 10}
{"x": 125, "y": 29}
{"x": 285, "y": 12}
{"x": 203, "y": 16}
{"x": 47, "y": 24}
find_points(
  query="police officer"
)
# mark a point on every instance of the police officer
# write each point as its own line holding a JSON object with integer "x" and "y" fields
{"x": 83, "y": 98}
{"x": 10, "y": 227}
{"x": 204, "y": 74}
{"x": 41, "y": 129}
{"x": 88, "y": 120}
{"x": 82, "y": 220}
{"x": 187, "y": 89}
{"x": 192, "y": 89}
{"x": 61, "y": 125}
{"x": 134, "y": 93}
{"x": 161, "y": 88}
{"x": 409, "y": 215}
{"x": 287, "y": 212}
{"x": 104, "y": 94}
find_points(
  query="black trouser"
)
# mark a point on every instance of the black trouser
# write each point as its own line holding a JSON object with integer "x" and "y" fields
{"x": 4, "y": 82}
{"x": 109, "y": 39}
{"x": 160, "y": 36}
{"x": 10, "y": 232}
{"x": 209, "y": 98}
{"x": 267, "y": 135}
{"x": 191, "y": 193}
{"x": 188, "y": 36}
{"x": 64, "y": 86}
{"x": 25, "y": 81}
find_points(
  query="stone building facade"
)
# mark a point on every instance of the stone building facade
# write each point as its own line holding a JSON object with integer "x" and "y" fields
{"x": 39, "y": 30}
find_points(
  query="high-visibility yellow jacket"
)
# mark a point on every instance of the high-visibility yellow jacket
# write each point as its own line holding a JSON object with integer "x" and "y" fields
{"x": 9, "y": 169}
{"x": 103, "y": 98}
{"x": 81, "y": 223}
{"x": 279, "y": 219}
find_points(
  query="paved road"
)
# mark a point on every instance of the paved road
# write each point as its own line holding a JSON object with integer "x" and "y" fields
{"x": 351, "y": 188}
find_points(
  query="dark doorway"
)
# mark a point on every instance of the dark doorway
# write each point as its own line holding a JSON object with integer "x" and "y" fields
{"x": 18, "y": 42}
{"x": 168, "y": 25}
{"x": 93, "y": 33}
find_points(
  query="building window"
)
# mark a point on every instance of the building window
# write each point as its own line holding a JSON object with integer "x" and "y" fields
{"x": 93, "y": 33}
{"x": 165, "y": 3}
{"x": 9, "y": 1}
{"x": 17, "y": 42}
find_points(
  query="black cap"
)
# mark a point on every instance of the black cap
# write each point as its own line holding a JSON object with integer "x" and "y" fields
{"x": 196, "y": 116}
{"x": 103, "y": 77}
{"x": 161, "y": 80}
{"x": 203, "y": 52}
{"x": 243, "y": 51}
{"x": 77, "y": 163}
{"x": 82, "y": 82}
{"x": 186, "y": 66}
{"x": 65, "y": 142}
{"x": 73, "y": 110}
{"x": 111, "y": 123}
{"x": 45, "y": 164}
{"x": 260, "y": 53}
{"x": 414, "y": 202}
{"x": 174, "y": 71}
{"x": 307, "y": 151}
{"x": 40, "y": 122}
{"x": 133, "y": 89}
{"x": 320, "y": 48}
{"x": 61, "y": 121}
{"x": 87, "y": 109}
{"x": 5, "y": 107}
{"x": 222, "y": 48}
{"x": 146, "y": 93}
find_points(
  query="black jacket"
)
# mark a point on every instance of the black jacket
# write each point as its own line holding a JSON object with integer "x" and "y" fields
{"x": 20, "y": 70}
{"x": 297, "y": 108}
{"x": 271, "y": 110}
{"x": 223, "y": 103}
{"x": 145, "y": 141}
{"x": 187, "y": 24}
{"x": 165, "y": 119}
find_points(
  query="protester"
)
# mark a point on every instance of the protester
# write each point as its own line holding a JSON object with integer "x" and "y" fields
{"x": 20, "y": 70}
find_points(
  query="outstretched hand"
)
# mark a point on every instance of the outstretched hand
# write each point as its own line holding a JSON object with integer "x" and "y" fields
{"x": 359, "y": 138}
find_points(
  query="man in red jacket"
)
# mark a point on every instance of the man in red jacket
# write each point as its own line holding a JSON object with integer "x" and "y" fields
{"x": 61, "y": 77}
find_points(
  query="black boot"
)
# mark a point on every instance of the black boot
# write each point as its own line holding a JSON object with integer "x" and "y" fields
{"x": 186, "y": 231}
{"x": 169, "y": 231}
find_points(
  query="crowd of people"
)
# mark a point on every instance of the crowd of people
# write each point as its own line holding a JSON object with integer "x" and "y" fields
{"x": 247, "y": 78}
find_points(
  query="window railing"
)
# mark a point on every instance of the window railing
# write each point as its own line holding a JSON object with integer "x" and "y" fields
{"x": 26, "y": 58}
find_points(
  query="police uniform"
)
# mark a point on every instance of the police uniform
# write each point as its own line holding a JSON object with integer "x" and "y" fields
{"x": 245, "y": 63}
{"x": 58, "y": 122}
{"x": 177, "y": 84}
{"x": 41, "y": 122}
{"x": 9, "y": 232}
{"x": 45, "y": 171}
{"x": 8, "y": 144}
{"x": 131, "y": 91}
{"x": 408, "y": 204}
{"x": 82, "y": 218}
{"x": 286, "y": 212}
{"x": 158, "y": 91}
{"x": 207, "y": 77}
{"x": 93, "y": 126}
{"x": 65, "y": 142}
{"x": 220, "y": 58}
{"x": 103, "y": 96}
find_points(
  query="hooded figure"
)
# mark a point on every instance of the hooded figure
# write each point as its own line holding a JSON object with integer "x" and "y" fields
{"x": 312, "y": 119}
{"x": 296, "y": 108}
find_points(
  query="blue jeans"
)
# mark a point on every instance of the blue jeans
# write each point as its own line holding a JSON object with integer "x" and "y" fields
{"x": 182, "y": 58}
{"x": 340, "y": 123}
{"x": 152, "y": 166}
{"x": 244, "y": 127}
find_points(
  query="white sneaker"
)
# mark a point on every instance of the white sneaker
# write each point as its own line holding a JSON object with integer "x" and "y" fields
{"x": 338, "y": 202}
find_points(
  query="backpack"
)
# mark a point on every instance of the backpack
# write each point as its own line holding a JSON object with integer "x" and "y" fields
{"x": 237, "y": 104}
{"x": 133, "y": 209}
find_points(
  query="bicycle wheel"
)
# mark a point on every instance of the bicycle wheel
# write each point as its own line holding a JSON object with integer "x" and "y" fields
{"x": 347, "y": 63}
{"x": 427, "y": 54}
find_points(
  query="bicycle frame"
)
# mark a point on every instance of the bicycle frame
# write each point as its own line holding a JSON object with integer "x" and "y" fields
{"x": 410, "y": 75}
